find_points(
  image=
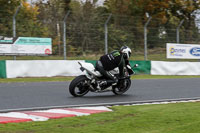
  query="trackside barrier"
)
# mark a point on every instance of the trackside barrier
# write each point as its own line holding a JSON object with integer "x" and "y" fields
{"x": 144, "y": 67}
{"x": 42, "y": 68}
{"x": 175, "y": 68}
{"x": 2, "y": 69}
{"x": 51, "y": 68}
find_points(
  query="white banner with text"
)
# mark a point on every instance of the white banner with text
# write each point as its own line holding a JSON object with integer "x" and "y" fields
{"x": 25, "y": 45}
{"x": 183, "y": 51}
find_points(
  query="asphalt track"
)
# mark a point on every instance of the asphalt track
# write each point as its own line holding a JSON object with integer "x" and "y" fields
{"x": 14, "y": 96}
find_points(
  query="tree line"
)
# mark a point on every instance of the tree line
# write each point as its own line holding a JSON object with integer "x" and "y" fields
{"x": 86, "y": 22}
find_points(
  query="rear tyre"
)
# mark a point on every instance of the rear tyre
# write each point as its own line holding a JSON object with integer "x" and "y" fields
{"x": 79, "y": 86}
{"x": 122, "y": 87}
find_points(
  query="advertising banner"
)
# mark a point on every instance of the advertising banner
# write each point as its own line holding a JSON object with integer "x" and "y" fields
{"x": 183, "y": 51}
{"x": 25, "y": 45}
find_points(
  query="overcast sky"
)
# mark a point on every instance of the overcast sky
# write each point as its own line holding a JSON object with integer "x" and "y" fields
{"x": 100, "y": 2}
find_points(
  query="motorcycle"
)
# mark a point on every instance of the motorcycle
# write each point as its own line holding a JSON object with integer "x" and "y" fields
{"x": 91, "y": 79}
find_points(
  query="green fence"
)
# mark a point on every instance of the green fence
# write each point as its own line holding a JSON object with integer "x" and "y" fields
{"x": 2, "y": 69}
{"x": 144, "y": 67}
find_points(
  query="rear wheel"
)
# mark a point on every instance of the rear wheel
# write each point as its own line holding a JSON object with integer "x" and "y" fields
{"x": 79, "y": 86}
{"x": 122, "y": 87}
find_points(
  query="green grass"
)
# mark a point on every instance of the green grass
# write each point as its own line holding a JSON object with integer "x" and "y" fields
{"x": 39, "y": 79}
{"x": 162, "y": 76}
{"x": 51, "y": 57}
{"x": 161, "y": 56}
{"x": 164, "y": 118}
{"x": 51, "y": 79}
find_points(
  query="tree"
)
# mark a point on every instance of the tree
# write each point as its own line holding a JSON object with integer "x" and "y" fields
{"x": 166, "y": 14}
{"x": 51, "y": 14}
{"x": 127, "y": 22}
{"x": 85, "y": 28}
{"x": 27, "y": 22}
{"x": 26, "y": 19}
{"x": 186, "y": 10}
{"x": 7, "y": 10}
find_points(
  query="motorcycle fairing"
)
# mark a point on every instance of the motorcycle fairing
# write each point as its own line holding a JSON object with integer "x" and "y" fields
{"x": 89, "y": 68}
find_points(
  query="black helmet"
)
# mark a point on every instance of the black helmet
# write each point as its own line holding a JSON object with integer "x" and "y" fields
{"x": 126, "y": 51}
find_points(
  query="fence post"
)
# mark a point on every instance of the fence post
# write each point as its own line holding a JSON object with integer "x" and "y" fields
{"x": 177, "y": 31}
{"x": 14, "y": 24}
{"x": 106, "y": 33}
{"x": 145, "y": 37}
{"x": 14, "y": 20}
{"x": 64, "y": 35}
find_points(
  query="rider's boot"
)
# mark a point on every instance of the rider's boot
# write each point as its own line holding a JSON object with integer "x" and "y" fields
{"x": 100, "y": 84}
{"x": 113, "y": 81}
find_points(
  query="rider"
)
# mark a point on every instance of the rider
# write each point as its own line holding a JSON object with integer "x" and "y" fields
{"x": 117, "y": 58}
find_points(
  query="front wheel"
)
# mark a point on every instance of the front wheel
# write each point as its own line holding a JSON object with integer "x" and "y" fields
{"x": 122, "y": 87}
{"x": 79, "y": 86}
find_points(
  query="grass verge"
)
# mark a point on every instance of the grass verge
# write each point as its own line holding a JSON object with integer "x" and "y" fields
{"x": 164, "y": 118}
{"x": 51, "y": 79}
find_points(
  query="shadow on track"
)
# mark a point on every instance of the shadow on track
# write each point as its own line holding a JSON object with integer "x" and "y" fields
{"x": 103, "y": 96}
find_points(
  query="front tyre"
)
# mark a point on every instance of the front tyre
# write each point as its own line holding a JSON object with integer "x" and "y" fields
{"x": 122, "y": 87}
{"x": 79, "y": 86}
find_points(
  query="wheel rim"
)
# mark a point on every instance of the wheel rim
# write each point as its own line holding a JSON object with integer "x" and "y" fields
{"x": 123, "y": 88}
{"x": 120, "y": 90}
{"x": 81, "y": 88}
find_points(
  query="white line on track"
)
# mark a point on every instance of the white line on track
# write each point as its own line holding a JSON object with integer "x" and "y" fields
{"x": 160, "y": 101}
